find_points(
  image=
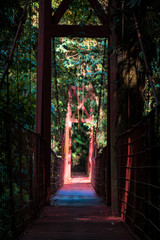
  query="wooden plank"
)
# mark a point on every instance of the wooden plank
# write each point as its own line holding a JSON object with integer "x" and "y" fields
{"x": 98, "y": 9}
{"x": 90, "y": 31}
{"x": 60, "y": 11}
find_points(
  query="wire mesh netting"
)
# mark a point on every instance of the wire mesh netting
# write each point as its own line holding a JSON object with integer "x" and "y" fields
{"x": 57, "y": 172}
{"x": 99, "y": 173}
{"x": 139, "y": 176}
{"x": 21, "y": 176}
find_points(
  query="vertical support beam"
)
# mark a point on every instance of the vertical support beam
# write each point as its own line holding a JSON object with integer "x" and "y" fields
{"x": 69, "y": 155}
{"x": 91, "y": 150}
{"x": 89, "y": 154}
{"x": 43, "y": 104}
{"x": 70, "y": 140}
{"x": 91, "y": 142}
{"x": 112, "y": 101}
{"x": 67, "y": 147}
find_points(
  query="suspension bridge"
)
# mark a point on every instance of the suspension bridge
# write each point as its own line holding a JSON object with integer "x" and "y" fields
{"x": 117, "y": 197}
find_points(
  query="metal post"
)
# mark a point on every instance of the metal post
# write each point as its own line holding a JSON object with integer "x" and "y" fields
{"x": 67, "y": 147}
{"x": 112, "y": 101}
{"x": 43, "y": 104}
{"x": 91, "y": 146}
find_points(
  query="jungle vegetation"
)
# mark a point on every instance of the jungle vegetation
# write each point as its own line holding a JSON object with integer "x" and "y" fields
{"x": 78, "y": 62}
{"x": 73, "y": 53}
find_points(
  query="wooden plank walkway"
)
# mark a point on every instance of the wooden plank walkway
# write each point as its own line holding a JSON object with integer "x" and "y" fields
{"x": 77, "y": 213}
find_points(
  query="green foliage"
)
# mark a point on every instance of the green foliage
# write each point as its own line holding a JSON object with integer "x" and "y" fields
{"x": 134, "y": 3}
{"x": 80, "y": 147}
{"x": 19, "y": 97}
{"x": 80, "y": 12}
{"x": 79, "y": 63}
{"x": 130, "y": 55}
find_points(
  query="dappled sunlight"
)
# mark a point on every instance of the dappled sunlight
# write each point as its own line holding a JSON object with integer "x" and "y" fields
{"x": 79, "y": 179}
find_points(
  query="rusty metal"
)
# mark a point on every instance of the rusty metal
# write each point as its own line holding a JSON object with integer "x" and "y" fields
{"x": 22, "y": 155}
{"x": 138, "y": 177}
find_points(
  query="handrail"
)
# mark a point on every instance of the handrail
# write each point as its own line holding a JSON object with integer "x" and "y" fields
{"x": 140, "y": 122}
{"x": 138, "y": 174}
{"x": 56, "y": 171}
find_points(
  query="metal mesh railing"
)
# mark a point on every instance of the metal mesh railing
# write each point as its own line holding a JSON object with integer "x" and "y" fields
{"x": 57, "y": 172}
{"x": 139, "y": 177}
{"x": 99, "y": 173}
{"x": 21, "y": 176}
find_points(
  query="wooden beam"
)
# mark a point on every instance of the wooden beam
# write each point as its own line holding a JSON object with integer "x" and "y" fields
{"x": 82, "y": 120}
{"x": 60, "y": 11}
{"x": 90, "y": 31}
{"x": 98, "y": 9}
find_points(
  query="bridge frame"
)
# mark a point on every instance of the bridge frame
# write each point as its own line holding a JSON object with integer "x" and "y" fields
{"x": 71, "y": 118}
{"x": 48, "y": 28}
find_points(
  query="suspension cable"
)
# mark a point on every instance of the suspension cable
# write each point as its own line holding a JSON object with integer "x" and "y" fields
{"x": 101, "y": 82}
{"x": 30, "y": 53}
{"x": 30, "y": 60}
{"x": 17, "y": 76}
{"x": 9, "y": 59}
{"x": 56, "y": 91}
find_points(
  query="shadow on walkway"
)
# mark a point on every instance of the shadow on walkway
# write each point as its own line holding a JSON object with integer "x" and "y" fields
{"x": 77, "y": 213}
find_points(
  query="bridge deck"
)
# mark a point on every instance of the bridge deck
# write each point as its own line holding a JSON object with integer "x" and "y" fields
{"x": 76, "y": 212}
